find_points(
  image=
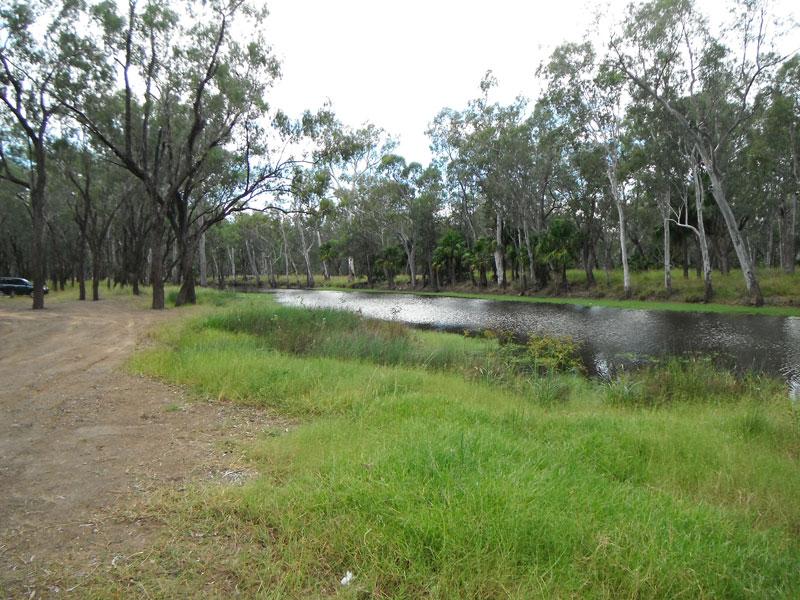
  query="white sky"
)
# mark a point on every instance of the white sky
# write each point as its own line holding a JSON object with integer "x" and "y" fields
{"x": 397, "y": 64}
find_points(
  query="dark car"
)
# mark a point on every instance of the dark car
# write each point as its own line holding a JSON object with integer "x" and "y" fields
{"x": 12, "y": 286}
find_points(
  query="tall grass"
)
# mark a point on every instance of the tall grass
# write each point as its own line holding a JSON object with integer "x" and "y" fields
{"x": 424, "y": 482}
{"x": 346, "y": 335}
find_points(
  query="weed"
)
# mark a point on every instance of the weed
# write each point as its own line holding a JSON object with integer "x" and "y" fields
{"x": 424, "y": 483}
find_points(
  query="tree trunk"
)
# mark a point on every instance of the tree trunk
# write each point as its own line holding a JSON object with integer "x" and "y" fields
{"x": 588, "y": 262}
{"x": 96, "y": 266}
{"x": 745, "y": 262}
{"x": 252, "y": 262}
{"x": 686, "y": 257}
{"x": 175, "y": 273}
{"x": 788, "y": 262}
{"x": 157, "y": 258}
{"x": 202, "y": 259}
{"x": 232, "y": 260}
{"x": 498, "y": 251}
{"x": 306, "y": 254}
{"x": 667, "y": 259}
{"x": 326, "y": 274}
{"x": 623, "y": 243}
{"x": 217, "y": 271}
{"x": 412, "y": 264}
{"x": 186, "y": 252}
{"x": 38, "y": 248}
{"x": 770, "y": 243}
{"x": 623, "y": 247}
{"x": 270, "y": 265}
{"x": 699, "y": 197}
{"x": 529, "y": 250}
{"x": 787, "y": 218}
{"x": 82, "y": 270}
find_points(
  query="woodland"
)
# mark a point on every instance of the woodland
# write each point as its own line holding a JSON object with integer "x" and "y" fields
{"x": 139, "y": 147}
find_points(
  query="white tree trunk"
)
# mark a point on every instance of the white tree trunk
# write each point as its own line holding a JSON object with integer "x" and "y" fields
{"x": 326, "y": 274}
{"x": 667, "y": 258}
{"x": 745, "y": 261}
{"x": 232, "y": 259}
{"x": 251, "y": 260}
{"x": 306, "y": 254}
{"x": 498, "y": 252}
{"x": 623, "y": 236}
{"x": 701, "y": 234}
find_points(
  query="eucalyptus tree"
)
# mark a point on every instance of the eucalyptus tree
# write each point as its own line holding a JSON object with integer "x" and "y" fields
{"x": 15, "y": 229}
{"x": 308, "y": 191}
{"x": 447, "y": 133}
{"x": 667, "y": 51}
{"x": 98, "y": 189}
{"x": 775, "y": 148}
{"x": 581, "y": 180}
{"x": 351, "y": 156}
{"x": 412, "y": 195}
{"x": 550, "y": 151}
{"x": 588, "y": 93}
{"x": 654, "y": 163}
{"x": 41, "y": 56}
{"x": 189, "y": 118}
{"x": 490, "y": 158}
{"x": 399, "y": 190}
{"x": 132, "y": 228}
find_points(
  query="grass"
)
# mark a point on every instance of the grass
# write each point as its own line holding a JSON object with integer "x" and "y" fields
{"x": 781, "y": 292}
{"x": 431, "y": 465}
{"x": 205, "y": 296}
{"x": 70, "y": 293}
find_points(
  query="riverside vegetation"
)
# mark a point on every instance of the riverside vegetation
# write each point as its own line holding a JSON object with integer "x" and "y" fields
{"x": 437, "y": 465}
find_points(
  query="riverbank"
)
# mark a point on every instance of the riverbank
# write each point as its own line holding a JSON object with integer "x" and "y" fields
{"x": 774, "y": 311}
{"x": 430, "y": 464}
{"x": 781, "y": 292}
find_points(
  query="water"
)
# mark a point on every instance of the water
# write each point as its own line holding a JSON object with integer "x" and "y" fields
{"x": 611, "y": 338}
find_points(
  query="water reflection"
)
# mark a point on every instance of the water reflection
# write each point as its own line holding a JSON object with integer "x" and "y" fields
{"x": 611, "y": 337}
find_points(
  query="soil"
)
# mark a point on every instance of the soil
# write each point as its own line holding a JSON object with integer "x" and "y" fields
{"x": 80, "y": 438}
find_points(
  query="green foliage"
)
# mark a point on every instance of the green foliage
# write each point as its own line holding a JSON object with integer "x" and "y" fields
{"x": 342, "y": 334}
{"x": 205, "y": 296}
{"x": 559, "y": 244}
{"x": 683, "y": 380}
{"x": 553, "y": 354}
{"x": 424, "y": 483}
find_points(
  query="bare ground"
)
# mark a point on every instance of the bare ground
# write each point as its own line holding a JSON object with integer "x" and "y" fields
{"x": 80, "y": 437}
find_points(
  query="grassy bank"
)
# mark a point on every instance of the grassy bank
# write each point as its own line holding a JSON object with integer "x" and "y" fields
{"x": 781, "y": 292}
{"x": 433, "y": 465}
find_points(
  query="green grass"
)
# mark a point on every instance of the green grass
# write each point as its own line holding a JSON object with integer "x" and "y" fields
{"x": 205, "y": 296}
{"x": 70, "y": 293}
{"x": 427, "y": 470}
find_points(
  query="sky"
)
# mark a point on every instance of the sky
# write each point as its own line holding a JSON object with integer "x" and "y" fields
{"x": 397, "y": 64}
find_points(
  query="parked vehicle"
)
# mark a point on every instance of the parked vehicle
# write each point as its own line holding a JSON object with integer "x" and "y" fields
{"x": 13, "y": 286}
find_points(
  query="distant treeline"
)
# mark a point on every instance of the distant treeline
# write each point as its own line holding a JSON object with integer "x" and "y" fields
{"x": 141, "y": 146}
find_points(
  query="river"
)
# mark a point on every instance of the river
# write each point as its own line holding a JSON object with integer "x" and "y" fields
{"x": 611, "y": 338}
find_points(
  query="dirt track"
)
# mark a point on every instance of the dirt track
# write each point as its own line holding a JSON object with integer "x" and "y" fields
{"x": 79, "y": 438}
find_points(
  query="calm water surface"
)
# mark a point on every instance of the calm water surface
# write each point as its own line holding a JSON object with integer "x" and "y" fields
{"x": 612, "y": 338}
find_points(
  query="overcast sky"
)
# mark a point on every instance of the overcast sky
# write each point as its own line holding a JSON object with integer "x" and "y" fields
{"x": 397, "y": 64}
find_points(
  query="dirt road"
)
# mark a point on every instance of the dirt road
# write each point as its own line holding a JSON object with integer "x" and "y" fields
{"x": 79, "y": 437}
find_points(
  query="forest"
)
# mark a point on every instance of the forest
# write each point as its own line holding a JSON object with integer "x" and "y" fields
{"x": 139, "y": 146}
